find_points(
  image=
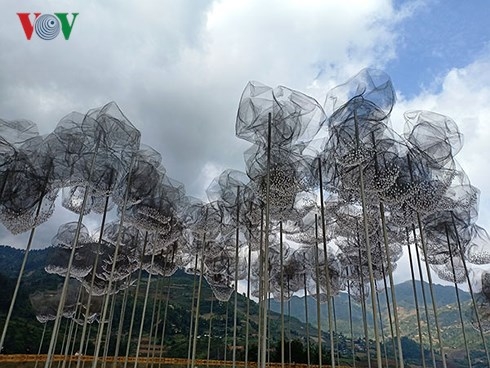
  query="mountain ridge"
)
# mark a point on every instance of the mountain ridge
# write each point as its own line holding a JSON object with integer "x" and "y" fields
{"x": 37, "y": 279}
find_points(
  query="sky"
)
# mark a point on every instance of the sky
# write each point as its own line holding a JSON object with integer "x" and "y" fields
{"x": 177, "y": 69}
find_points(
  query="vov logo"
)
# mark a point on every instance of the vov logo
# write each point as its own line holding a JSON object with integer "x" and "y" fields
{"x": 47, "y": 26}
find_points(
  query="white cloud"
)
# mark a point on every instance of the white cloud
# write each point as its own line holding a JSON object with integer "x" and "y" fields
{"x": 292, "y": 42}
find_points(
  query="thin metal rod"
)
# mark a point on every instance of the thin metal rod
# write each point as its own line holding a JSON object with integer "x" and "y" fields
{"x": 86, "y": 344}
{"x": 269, "y": 330}
{"x": 370, "y": 269}
{"x": 308, "y": 358}
{"x": 225, "y": 355}
{"x": 41, "y": 344}
{"x": 237, "y": 246}
{"x": 468, "y": 356}
{"x": 108, "y": 333}
{"x": 122, "y": 315}
{"x": 63, "y": 343}
{"x": 156, "y": 317}
{"x": 368, "y": 250}
{"x": 337, "y": 349}
{"x": 426, "y": 308}
{"x": 261, "y": 285}
{"x": 318, "y": 309}
{"x": 165, "y": 314}
{"x": 145, "y": 303}
{"x": 265, "y": 291}
{"x": 419, "y": 325}
{"x": 199, "y": 288}
{"x": 72, "y": 325}
{"x": 381, "y": 326}
{"x": 135, "y": 302}
{"x": 289, "y": 325}
{"x": 388, "y": 309}
{"x": 400, "y": 361}
{"x": 193, "y": 307}
{"x": 327, "y": 269}
{"x": 210, "y": 330}
{"x": 364, "y": 307}
{"x": 281, "y": 266}
{"x": 247, "y": 322}
{"x": 431, "y": 289}
{"x": 72, "y": 352}
{"x": 352, "y": 345}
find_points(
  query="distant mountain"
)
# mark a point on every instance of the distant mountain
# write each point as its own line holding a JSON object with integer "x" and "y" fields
{"x": 447, "y": 311}
{"x": 444, "y": 296}
{"x": 25, "y": 332}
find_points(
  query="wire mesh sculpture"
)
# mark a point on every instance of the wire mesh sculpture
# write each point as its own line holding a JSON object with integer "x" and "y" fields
{"x": 378, "y": 191}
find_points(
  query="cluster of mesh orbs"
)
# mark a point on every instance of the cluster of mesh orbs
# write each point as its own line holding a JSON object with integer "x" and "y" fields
{"x": 287, "y": 281}
{"x": 84, "y": 152}
{"x": 27, "y": 194}
{"x": 276, "y": 158}
{"x": 224, "y": 263}
{"x": 45, "y": 303}
{"x": 88, "y": 249}
{"x": 296, "y": 117}
{"x": 220, "y": 268}
{"x": 407, "y": 177}
{"x": 97, "y": 160}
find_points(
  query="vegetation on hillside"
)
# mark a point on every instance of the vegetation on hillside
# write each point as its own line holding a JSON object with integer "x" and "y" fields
{"x": 25, "y": 332}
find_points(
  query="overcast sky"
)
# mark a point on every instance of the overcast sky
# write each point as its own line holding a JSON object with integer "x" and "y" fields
{"x": 177, "y": 68}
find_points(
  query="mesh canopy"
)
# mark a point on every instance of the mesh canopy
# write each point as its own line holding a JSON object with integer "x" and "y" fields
{"x": 45, "y": 303}
{"x": 296, "y": 118}
{"x": 436, "y": 135}
{"x": 113, "y": 128}
{"x": 27, "y": 199}
{"x": 370, "y": 84}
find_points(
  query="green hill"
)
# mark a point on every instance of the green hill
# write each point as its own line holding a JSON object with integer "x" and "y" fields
{"x": 25, "y": 331}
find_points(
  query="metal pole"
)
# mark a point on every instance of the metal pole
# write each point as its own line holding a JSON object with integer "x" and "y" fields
{"x": 327, "y": 270}
{"x": 458, "y": 299}
{"x": 237, "y": 245}
{"x": 145, "y": 304}
{"x": 196, "y": 322}
{"x": 281, "y": 266}
{"x": 429, "y": 330}
{"x": 419, "y": 325}
{"x": 263, "y": 337}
